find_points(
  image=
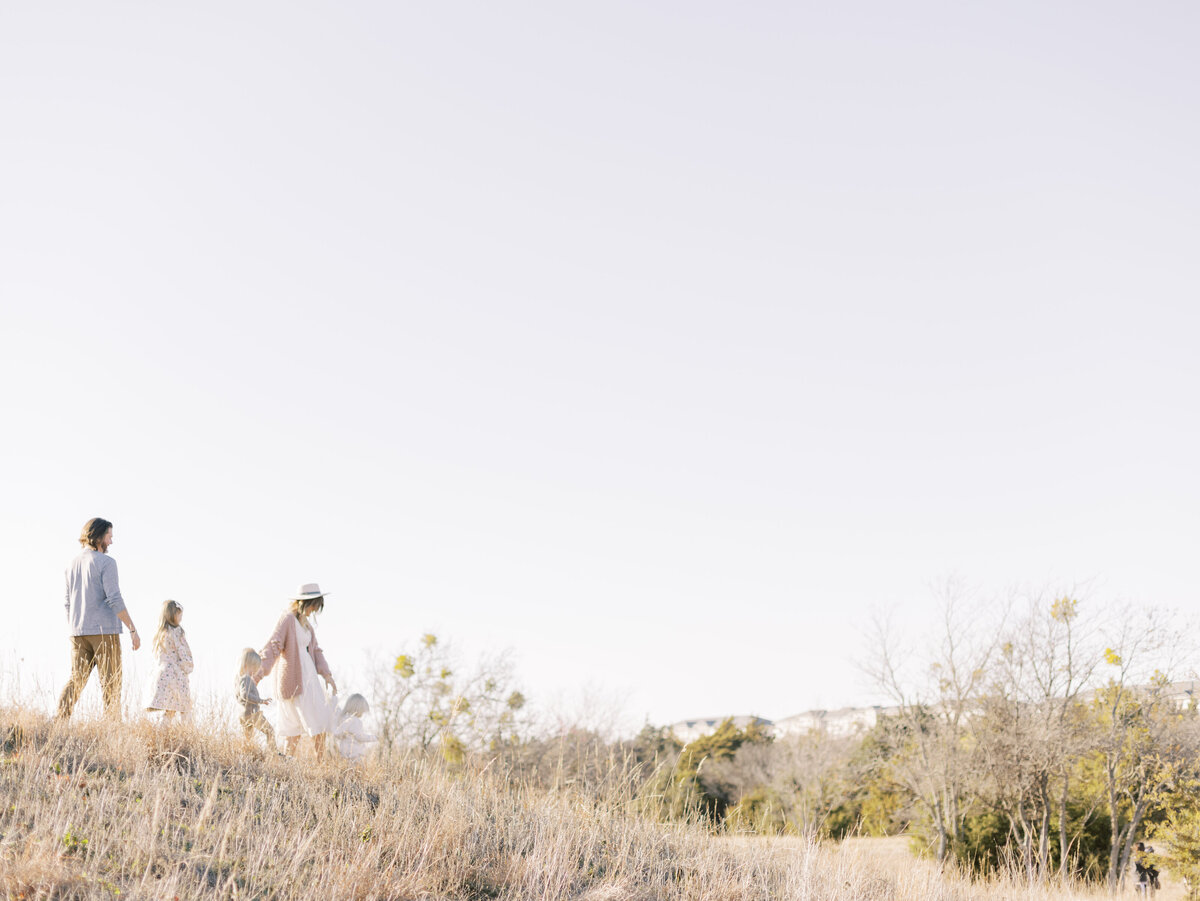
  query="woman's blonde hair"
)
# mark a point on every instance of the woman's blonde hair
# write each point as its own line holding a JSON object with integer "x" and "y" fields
{"x": 356, "y": 705}
{"x": 303, "y": 609}
{"x": 166, "y": 621}
{"x": 250, "y": 662}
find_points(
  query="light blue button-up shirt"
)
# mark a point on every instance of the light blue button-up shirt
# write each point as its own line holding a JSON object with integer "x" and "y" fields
{"x": 93, "y": 595}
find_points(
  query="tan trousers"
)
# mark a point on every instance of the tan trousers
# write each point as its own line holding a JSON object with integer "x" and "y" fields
{"x": 87, "y": 653}
{"x": 256, "y": 720}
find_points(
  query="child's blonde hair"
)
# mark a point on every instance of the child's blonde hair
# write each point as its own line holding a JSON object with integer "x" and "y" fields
{"x": 250, "y": 662}
{"x": 356, "y": 705}
{"x": 166, "y": 621}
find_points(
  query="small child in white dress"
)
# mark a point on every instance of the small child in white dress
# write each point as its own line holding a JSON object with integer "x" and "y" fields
{"x": 354, "y": 742}
{"x": 168, "y": 689}
{"x": 247, "y": 695}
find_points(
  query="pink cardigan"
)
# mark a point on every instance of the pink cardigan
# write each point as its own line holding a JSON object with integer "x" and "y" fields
{"x": 285, "y": 643}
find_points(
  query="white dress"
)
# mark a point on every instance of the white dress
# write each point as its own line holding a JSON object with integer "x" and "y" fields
{"x": 168, "y": 688}
{"x": 354, "y": 742}
{"x": 311, "y": 712}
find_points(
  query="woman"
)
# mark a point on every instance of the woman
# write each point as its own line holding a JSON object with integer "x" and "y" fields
{"x": 303, "y": 707}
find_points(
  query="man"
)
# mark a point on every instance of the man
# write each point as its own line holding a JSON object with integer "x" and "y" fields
{"x": 95, "y": 612}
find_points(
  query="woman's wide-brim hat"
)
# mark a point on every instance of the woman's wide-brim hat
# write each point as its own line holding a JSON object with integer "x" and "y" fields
{"x": 309, "y": 592}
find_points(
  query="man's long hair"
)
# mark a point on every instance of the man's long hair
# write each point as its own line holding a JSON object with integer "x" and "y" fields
{"x": 93, "y": 530}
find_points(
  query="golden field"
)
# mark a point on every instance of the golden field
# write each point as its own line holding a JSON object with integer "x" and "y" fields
{"x": 93, "y": 811}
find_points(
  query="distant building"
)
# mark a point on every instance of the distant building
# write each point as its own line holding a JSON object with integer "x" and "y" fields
{"x": 689, "y": 730}
{"x": 845, "y": 721}
{"x": 850, "y": 721}
{"x": 1184, "y": 693}
{"x": 1180, "y": 694}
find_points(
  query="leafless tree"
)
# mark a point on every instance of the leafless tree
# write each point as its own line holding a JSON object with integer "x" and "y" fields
{"x": 427, "y": 698}
{"x": 1143, "y": 744}
{"x": 933, "y": 704}
{"x": 1032, "y": 727}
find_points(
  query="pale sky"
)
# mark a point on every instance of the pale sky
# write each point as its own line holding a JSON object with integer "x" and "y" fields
{"x": 658, "y": 342}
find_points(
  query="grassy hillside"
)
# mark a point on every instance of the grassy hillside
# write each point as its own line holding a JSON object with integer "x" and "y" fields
{"x": 90, "y": 811}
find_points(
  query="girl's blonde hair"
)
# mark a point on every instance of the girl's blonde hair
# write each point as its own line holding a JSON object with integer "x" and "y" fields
{"x": 166, "y": 621}
{"x": 356, "y": 705}
{"x": 302, "y": 609}
{"x": 250, "y": 662}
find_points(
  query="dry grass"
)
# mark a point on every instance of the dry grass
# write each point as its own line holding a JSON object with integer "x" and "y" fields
{"x": 137, "y": 812}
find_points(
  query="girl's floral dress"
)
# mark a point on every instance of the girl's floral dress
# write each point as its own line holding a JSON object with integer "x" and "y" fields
{"x": 168, "y": 689}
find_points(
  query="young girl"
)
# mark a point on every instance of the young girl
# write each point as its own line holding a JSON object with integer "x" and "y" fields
{"x": 247, "y": 695}
{"x": 173, "y": 661}
{"x": 353, "y": 740}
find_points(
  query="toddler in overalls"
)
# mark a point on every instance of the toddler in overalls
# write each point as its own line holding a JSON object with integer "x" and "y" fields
{"x": 247, "y": 695}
